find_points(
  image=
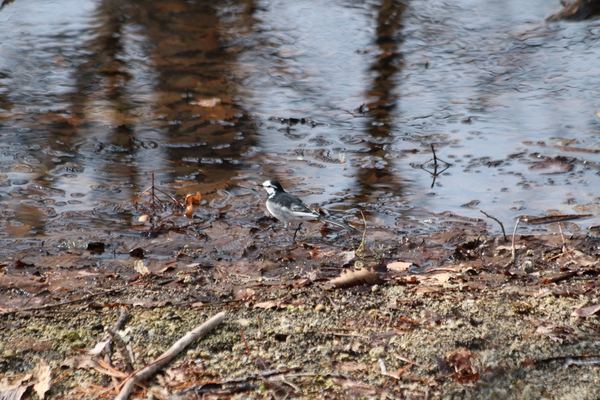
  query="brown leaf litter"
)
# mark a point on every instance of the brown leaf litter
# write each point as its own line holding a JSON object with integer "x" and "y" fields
{"x": 438, "y": 317}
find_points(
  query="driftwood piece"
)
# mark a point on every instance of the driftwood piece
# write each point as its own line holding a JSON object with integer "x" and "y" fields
{"x": 168, "y": 355}
{"x": 577, "y": 10}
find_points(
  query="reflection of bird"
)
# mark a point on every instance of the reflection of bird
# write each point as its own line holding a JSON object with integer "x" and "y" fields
{"x": 289, "y": 209}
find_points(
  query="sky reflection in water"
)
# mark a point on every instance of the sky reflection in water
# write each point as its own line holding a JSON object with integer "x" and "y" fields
{"x": 94, "y": 95}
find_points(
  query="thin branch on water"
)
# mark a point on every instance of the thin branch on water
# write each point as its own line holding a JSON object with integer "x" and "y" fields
{"x": 435, "y": 160}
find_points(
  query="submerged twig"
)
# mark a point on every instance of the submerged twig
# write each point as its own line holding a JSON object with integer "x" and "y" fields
{"x": 152, "y": 192}
{"x": 435, "y": 172}
{"x": 155, "y": 204}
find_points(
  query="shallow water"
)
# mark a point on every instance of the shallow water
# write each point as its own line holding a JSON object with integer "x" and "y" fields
{"x": 341, "y": 101}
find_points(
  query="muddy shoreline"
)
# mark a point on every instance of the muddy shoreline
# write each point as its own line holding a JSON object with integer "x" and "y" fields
{"x": 479, "y": 327}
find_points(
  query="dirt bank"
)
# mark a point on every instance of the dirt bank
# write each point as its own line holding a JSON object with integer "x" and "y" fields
{"x": 475, "y": 326}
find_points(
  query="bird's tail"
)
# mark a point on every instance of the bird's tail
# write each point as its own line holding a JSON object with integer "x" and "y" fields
{"x": 340, "y": 224}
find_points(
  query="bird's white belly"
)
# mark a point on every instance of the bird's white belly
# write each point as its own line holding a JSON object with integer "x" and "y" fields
{"x": 287, "y": 216}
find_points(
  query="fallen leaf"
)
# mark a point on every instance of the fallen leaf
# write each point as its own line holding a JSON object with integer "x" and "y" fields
{"x": 99, "y": 348}
{"x": 42, "y": 375}
{"x": 424, "y": 290}
{"x": 266, "y": 265}
{"x": 399, "y": 266}
{"x": 193, "y": 198}
{"x": 146, "y": 303}
{"x": 140, "y": 267}
{"x": 266, "y": 305}
{"x": 27, "y": 343}
{"x": 189, "y": 210}
{"x": 443, "y": 277}
{"x": 586, "y": 311}
{"x": 559, "y": 277}
{"x": 351, "y": 366}
{"x": 461, "y": 361}
{"x": 208, "y": 103}
{"x": 88, "y": 362}
{"x": 14, "y": 388}
{"x": 244, "y": 294}
{"x": 347, "y": 256}
{"x": 556, "y": 333}
{"x": 356, "y": 386}
{"x": 138, "y": 252}
{"x": 407, "y": 280}
{"x": 83, "y": 362}
{"x": 354, "y": 278}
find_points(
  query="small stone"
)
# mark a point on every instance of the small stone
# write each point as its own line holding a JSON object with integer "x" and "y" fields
{"x": 244, "y": 322}
{"x": 377, "y": 352}
{"x": 528, "y": 267}
{"x": 72, "y": 336}
{"x": 319, "y": 307}
{"x": 9, "y": 353}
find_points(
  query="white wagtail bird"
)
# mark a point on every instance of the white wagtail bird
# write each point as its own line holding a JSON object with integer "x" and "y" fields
{"x": 289, "y": 209}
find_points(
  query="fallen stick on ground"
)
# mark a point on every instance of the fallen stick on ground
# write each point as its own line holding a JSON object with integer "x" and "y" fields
{"x": 47, "y": 306}
{"x": 168, "y": 355}
{"x": 123, "y": 316}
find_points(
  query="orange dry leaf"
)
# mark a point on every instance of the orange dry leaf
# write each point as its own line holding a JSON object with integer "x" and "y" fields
{"x": 354, "y": 278}
{"x": 464, "y": 369}
{"x": 193, "y": 198}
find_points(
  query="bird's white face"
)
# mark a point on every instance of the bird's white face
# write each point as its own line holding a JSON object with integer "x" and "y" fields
{"x": 270, "y": 187}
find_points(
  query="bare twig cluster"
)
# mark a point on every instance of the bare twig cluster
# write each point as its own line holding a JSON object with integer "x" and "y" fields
{"x": 436, "y": 171}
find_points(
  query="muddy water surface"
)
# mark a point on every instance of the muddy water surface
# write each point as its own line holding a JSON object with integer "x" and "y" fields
{"x": 341, "y": 101}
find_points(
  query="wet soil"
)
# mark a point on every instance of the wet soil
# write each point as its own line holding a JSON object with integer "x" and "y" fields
{"x": 475, "y": 324}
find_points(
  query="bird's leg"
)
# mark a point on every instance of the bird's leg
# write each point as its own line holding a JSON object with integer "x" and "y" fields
{"x": 296, "y": 232}
{"x": 272, "y": 227}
